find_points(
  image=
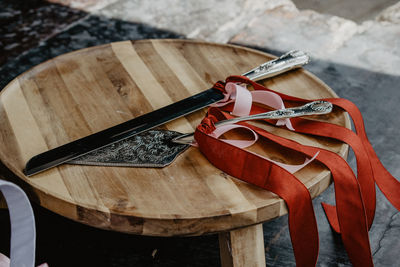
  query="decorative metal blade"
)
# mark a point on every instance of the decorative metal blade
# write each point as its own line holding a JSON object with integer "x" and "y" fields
{"x": 150, "y": 149}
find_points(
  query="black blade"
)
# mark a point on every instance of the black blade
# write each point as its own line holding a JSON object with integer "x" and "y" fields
{"x": 72, "y": 150}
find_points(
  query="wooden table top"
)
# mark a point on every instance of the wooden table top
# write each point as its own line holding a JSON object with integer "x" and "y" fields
{"x": 89, "y": 90}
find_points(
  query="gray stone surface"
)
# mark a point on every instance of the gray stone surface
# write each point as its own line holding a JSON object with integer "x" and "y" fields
{"x": 209, "y": 20}
{"x": 358, "y": 11}
{"x": 284, "y": 29}
{"x": 390, "y": 14}
{"x": 389, "y": 239}
{"x": 372, "y": 45}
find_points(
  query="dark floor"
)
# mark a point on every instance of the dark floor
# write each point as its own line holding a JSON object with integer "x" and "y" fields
{"x": 32, "y": 32}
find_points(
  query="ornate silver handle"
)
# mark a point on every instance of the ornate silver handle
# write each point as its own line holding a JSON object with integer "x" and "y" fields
{"x": 291, "y": 60}
{"x": 312, "y": 108}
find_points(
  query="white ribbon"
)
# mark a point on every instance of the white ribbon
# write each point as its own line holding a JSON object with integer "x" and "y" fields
{"x": 243, "y": 99}
{"x": 23, "y": 232}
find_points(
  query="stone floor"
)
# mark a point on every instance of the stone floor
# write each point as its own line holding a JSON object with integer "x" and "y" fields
{"x": 357, "y": 11}
{"x": 359, "y": 60}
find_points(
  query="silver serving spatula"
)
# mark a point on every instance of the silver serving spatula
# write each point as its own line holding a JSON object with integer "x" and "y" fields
{"x": 159, "y": 148}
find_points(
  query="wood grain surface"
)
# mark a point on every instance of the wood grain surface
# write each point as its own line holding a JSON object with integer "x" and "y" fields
{"x": 89, "y": 90}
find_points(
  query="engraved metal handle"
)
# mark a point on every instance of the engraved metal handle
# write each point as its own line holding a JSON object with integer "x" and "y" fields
{"x": 291, "y": 60}
{"x": 312, "y": 108}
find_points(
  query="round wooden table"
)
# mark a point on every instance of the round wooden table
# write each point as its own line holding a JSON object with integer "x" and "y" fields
{"x": 86, "y": 91}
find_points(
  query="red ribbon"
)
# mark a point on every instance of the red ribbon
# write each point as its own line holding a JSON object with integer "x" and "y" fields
{"x": 353, "y": 214}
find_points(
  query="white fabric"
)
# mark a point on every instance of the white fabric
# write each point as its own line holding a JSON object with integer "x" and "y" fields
{"x": 23, "y": 232}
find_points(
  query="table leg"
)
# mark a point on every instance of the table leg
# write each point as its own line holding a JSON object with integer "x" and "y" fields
{"x": 243, "y": 247}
